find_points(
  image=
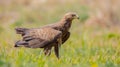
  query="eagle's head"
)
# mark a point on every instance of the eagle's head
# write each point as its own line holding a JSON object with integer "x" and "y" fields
{"x": 71, "y": 16}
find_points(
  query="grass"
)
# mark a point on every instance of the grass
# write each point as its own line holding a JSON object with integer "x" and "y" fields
{"x": 84, "y": 49}
{"x": 87, "y": 47}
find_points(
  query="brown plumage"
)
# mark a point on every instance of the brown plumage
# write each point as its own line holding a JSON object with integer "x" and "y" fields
{"x": 48, "y": 36}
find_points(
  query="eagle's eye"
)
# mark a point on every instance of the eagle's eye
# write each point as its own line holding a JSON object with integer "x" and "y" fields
{"x": 73, "y": 15}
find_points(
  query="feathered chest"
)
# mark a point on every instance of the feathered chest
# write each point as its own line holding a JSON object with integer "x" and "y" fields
{"x": 67, "y": 26}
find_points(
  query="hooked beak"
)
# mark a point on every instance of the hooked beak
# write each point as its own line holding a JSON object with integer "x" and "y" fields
{"x": 77, "y": 17}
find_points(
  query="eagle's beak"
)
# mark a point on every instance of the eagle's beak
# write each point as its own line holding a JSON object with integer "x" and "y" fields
{"x": 77, "y": 17}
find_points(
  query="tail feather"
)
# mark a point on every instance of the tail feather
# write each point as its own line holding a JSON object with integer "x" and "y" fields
{"x": 20, "y": 43}
{"x": 21, "y": 31}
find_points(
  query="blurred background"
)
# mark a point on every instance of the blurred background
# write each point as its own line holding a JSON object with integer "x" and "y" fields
{"x": 99, "y": 26}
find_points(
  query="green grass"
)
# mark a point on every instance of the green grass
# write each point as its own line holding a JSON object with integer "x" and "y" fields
{"x": 87, "y": 47}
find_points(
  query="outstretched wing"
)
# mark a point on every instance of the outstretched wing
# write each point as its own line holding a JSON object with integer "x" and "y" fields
{"x": 38, "y": 38}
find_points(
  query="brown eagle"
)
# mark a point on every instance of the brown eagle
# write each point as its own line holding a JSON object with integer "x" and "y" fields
{"x": 48, "y": 36}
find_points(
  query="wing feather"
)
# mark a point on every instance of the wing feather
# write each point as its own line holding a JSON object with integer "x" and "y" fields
{"x": 37, "y": 38}
{"x": 21, "y": 31}
{"x": 65, "y": 37}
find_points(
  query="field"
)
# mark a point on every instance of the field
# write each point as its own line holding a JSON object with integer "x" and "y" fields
{"x": 88, "y": 46}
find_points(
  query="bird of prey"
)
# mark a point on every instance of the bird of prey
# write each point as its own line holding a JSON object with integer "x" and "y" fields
{"x": 46, "y": 37}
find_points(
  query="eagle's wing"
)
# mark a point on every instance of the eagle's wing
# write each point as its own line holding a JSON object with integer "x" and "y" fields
{"x": 21, "y": 31}
{"x": 38, "y": 38}
{"x": 65, "y": 37}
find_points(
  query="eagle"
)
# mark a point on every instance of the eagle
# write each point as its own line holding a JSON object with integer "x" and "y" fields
{"x": 48, "y": 36}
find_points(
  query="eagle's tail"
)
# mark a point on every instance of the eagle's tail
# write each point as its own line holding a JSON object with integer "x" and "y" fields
{"x": 21, "y": 31}
{"x": 20, "y": 43}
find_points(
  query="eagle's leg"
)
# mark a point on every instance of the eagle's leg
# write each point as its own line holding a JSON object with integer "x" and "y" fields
{"x": 47, "y": 51}
{"x": 56, "y": 47}
{"x": 59, "y": 41}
